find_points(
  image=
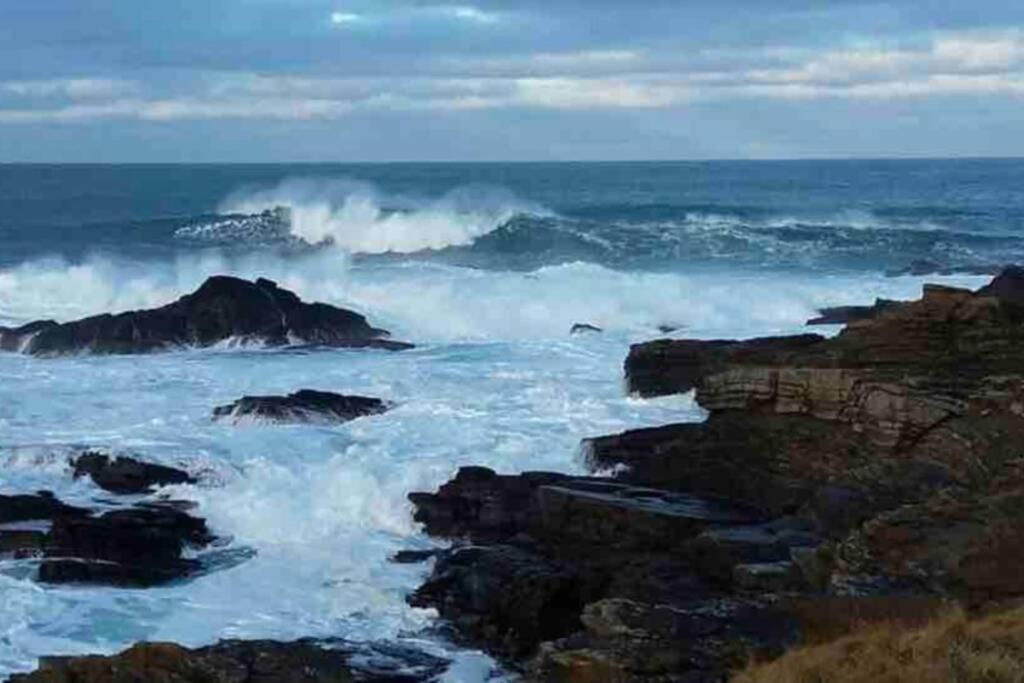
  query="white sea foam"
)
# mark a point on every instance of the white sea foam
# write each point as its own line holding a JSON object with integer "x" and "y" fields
{"x": 356, "y": 217}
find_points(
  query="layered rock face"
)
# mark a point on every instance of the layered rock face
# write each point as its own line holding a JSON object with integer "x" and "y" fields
{"x": 885, "y": 461}
{"x": 223, "y": 308}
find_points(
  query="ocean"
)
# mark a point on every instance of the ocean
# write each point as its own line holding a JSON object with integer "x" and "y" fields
{"x": 486, "y": 267}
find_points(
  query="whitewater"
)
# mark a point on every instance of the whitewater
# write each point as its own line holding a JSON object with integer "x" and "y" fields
{"x": 486, "y": 269}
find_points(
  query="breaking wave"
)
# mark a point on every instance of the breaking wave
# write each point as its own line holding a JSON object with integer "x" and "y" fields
{"x": 359, "y": 218}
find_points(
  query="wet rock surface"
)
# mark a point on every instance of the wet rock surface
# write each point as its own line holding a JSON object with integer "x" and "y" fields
{"x": 126, "y": 475}
{"x": 222, "y": 309}
{"x": 302, "y": 406}
{"x": 879, "y": 464}
{"x": 238, "y": 661}
{"x": 139, "y": 546}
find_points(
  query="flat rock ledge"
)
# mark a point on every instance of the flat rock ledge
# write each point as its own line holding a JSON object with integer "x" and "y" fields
{"x": 224, "y": 309}
{"x": 305, "y": 406}
{"x": 239, "y": 661}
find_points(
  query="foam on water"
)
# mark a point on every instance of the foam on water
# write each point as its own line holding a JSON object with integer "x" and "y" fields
{"x": 356, "y": 217}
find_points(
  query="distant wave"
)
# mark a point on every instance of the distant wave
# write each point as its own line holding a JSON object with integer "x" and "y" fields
{"x": 358, "y": 218}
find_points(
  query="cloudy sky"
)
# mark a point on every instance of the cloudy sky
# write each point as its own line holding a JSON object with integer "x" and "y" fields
{"x": 378, "y": 80}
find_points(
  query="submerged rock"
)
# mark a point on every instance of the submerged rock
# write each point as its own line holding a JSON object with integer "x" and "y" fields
{"x": 585, "y": 328}
{"x": 222, "y": 309}
{"x": 240, "y": 661}
{"x": 302, "y": 406}
{"x": 127, "y": 475}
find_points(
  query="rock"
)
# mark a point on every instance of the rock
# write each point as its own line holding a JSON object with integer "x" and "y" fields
{"x": 222, "y": 309}
{"x": 237, "y": 661}
{"x": 503, "y": 597}
{"x": 882, "y": 462}
{"x": 668, "y": 366}
{"x": 127, "y": 475}
{"x": 630, "y": 642}
{"x": 302, "y": 406}
{"x": 481, "y": 505}
{"x": 626, "y": 518}
{"x": 1007, "y": 286}
{"x": 842, "y": 315}
{"x": 21, "y": 543}
{"x": 141, "y": 547}
{"x": 40, "y": 506}
{"x": 584, "y": 328}
{"x": 414, "y": 556}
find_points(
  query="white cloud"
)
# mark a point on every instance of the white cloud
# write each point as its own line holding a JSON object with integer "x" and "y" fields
{"x": 470, "y": 13}
{"x": 71, "y": 88}
{"x": 345, "y": 18}
{"x": 948, "y": 65}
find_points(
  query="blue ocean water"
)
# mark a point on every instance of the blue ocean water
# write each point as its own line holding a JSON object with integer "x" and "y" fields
{"x": 486, "y": 267}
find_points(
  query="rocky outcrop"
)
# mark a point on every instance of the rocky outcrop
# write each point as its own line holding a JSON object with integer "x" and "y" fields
{"x": 124, "y": 475}
{"x": 239, "y": 661}
{"x": 139, "y": 547}
{"x": 882, "y": 462}
{"x": 302, "y": 406}
{"x": 222, "y": 309}
{"x": 897, "y": 439}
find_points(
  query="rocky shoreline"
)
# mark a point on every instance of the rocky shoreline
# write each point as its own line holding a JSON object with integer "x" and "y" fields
{"x": 881, "y": 464}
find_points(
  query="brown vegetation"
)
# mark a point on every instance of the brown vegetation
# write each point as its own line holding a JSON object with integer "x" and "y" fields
{"x": 952, "y": 648}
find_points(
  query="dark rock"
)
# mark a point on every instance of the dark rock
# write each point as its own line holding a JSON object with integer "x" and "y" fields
{"x": 1008, "y": 286}
{"x": 414, "y": 556}
{"x": 223, "y": 308}
{"x": 841, "y": 315}
{"x": 21, "y": 543}
{"x": 670, "y": 366}
{"x": 237, "y": 661}
{"x": 481, "y": 505}
{"x": 135, "y": 547}
{"x": 630, "y": 642}
{"x": 41, "y": 506}
{"x": 127, "y": 475}
{"x": 584, "y": 328}
{"x": 302, "y": 406}
{"x": 503, "y": 597}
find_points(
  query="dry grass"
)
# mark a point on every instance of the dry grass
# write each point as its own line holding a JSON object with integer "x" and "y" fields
{"x": 951, "y": 648}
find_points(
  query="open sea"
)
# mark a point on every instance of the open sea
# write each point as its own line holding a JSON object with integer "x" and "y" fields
{"x": 485, "y": 267}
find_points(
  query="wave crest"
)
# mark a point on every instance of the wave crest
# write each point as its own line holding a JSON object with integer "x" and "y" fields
{"x": 358, "y": 218}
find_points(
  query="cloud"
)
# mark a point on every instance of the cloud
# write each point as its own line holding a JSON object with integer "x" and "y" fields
{"x": 345, "y": 18}
{"x": 470, "y": 13}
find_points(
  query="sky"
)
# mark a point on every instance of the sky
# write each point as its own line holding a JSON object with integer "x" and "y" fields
{"x": 496, "y": 80}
